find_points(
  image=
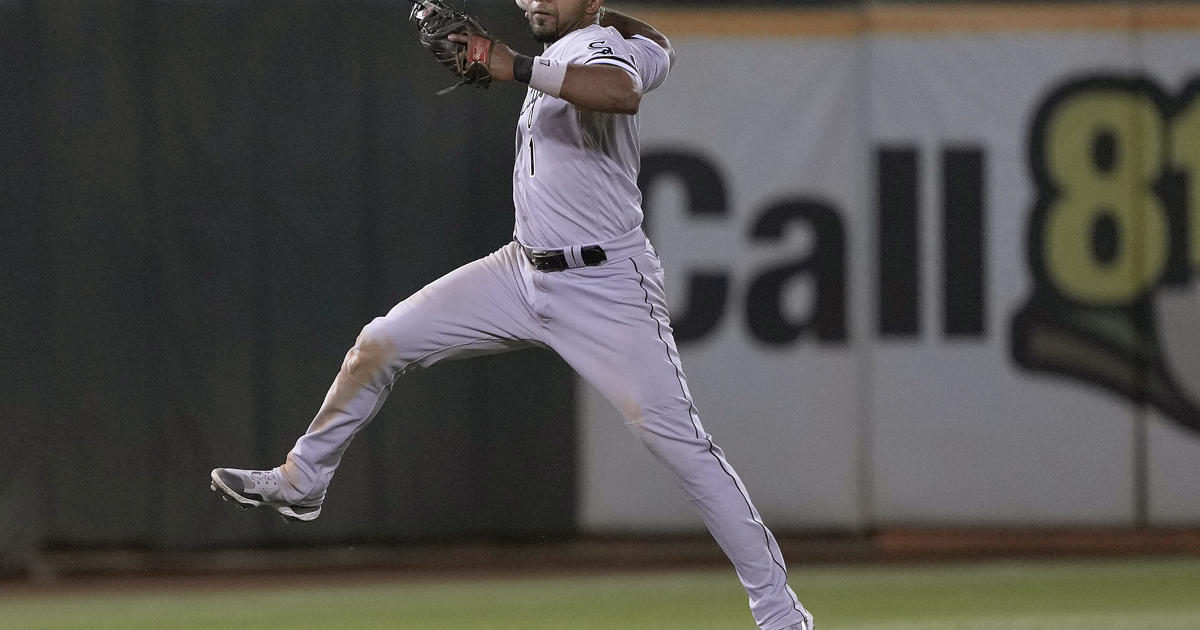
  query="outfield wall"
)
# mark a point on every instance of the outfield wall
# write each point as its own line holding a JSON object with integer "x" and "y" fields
{"x": 928, "y": 265}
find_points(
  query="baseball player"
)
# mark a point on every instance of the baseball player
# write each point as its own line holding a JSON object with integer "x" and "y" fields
{"x": 579, "y": 278}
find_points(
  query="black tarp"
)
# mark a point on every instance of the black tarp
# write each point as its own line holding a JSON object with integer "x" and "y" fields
{"x": 203, "y": 203}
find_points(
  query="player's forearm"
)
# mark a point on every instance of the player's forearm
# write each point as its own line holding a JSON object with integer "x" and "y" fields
{"x": 628, "y": 26}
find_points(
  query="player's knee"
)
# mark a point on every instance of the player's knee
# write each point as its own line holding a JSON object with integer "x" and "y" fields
{"x": 653, "y": 427}
{"x": 630, "y": 409}
{"x": 650, "y": 409}
{"x": 371, "y": 352}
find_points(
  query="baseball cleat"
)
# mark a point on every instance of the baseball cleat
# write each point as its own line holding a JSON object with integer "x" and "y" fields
{"x": 259, "y": 488}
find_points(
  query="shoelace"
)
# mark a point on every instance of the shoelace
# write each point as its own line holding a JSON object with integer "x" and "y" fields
{"x": 262, "y": 480}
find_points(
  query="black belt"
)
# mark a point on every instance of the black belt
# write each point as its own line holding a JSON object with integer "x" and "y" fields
{"x": 556, "y": 259}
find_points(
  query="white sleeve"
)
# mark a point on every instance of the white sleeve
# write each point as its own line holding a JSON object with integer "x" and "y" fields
{"x": 639, "y": 56}
{"x": 652, "y": 61}
{"x": 609, "y": 49}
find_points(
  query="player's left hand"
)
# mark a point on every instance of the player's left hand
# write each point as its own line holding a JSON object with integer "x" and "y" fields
{"x": 500, "y": 60}
{"x": 456, "y": 40}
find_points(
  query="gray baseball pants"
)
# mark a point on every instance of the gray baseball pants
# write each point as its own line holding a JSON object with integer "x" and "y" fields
{"x": 610, "y": 323}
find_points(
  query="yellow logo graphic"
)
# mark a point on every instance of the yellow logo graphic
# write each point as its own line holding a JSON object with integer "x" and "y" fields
{"x": 1114, "y": 242}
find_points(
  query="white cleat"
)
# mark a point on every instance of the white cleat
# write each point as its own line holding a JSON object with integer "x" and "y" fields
{"x": 260, "y": 488}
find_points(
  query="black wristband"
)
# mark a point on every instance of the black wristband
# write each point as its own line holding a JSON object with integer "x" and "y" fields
{"x": 522, "y": 67}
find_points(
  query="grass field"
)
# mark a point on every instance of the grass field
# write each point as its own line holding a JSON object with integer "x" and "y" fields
{"x": 1158, "y": 594}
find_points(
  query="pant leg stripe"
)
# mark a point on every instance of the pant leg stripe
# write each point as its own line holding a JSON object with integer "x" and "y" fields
{"x": 693, "y": 413}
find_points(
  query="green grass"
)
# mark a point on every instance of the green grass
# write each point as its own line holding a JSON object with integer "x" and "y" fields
{"x": 1160, "y": 594}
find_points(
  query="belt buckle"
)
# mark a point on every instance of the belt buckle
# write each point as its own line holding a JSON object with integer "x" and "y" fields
{"x": 544, "y": 259}
{"x": 556, "y": 259}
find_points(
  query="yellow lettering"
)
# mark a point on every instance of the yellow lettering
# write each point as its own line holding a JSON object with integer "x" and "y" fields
{"x": 1103, "y": 153}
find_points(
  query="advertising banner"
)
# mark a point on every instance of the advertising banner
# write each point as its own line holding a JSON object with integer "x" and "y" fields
{"x": 927, "y": 265}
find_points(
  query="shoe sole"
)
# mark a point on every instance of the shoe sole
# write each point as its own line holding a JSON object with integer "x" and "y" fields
{"x": 229, "y": 494}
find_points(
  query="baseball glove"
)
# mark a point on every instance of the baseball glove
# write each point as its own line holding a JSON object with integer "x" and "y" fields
{"x": 436, "y": 21}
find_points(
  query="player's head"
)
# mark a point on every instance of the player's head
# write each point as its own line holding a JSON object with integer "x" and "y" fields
{"x": 551, "y": 19}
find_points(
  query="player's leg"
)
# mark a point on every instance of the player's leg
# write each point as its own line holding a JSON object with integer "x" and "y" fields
{"x": 477, "y": 309}
{"x": 611, "y": 324}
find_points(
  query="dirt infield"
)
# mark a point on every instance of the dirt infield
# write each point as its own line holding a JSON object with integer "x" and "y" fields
{"x": 952, "y": 543}
{"x": 123, "y": 568}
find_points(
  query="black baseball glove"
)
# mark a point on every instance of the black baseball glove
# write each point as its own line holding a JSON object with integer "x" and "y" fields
{"x": 436, "y": 21}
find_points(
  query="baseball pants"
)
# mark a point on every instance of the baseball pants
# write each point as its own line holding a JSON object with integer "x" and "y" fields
{"x": 609, "y": 323}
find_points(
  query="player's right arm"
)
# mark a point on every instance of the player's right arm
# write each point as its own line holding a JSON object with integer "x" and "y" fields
{"x": 630, "y": 26}
{"x": 608, "y": 76}
{"x": 596, "y": 87}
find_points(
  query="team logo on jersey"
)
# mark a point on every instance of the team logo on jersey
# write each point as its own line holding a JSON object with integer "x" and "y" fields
{"x": 600, "y": 47}
{"x": 1114, "y": 243}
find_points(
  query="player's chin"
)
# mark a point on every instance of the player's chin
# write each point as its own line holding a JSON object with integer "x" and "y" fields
{"x": 543, "y": 28}
{"x": 544, "y": 35}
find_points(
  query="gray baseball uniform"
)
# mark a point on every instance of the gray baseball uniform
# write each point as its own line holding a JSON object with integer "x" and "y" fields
{"x": 574, "y": 188}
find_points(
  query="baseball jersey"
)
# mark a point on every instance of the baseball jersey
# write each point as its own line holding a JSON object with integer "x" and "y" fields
{"x": 575, "y": 174}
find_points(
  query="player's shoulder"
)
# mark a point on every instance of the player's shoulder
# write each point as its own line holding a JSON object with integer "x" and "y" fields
{"x": 592, "y": 41}
{"x": 647, "y": 46}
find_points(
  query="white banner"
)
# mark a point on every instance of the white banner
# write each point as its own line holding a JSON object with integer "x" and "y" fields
{"x": 928, "y": 276}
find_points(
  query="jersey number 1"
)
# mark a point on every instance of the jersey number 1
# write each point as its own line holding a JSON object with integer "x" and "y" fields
{"x": 529, "y": 125}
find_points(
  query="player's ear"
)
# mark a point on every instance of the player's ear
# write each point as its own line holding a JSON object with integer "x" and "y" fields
{"x": 593, "y": 6}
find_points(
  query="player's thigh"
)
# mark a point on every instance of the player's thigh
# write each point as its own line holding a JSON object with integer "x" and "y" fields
{"x": 480, "y": 307}
{"x": 613, "y": 327}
